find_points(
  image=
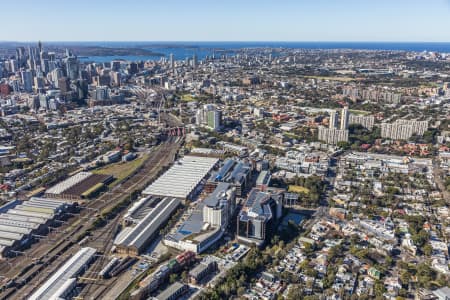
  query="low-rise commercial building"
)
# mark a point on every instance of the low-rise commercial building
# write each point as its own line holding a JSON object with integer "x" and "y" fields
{"x": 62, "y": 283}
{"x": 138, "y": 237}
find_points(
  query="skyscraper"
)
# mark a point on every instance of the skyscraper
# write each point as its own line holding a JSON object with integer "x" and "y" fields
{"x": 194, "y": 61}
{"x": 214, "y": 119}
{"x": 72, "y": 67}
{"x": 115, "y": 65}
{"x": 344, "y": 118}
{"x": 171, "y": 61}
{"x": 27, "y": 81}
{"x": 333, "y": 119}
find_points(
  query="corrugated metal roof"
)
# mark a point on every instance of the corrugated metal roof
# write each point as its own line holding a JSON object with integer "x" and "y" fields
{"x": 68, "y": 183}
{"x": 140, "y": 234}
{"x": 182, "y": 178}
{"x": 69, "y": 270}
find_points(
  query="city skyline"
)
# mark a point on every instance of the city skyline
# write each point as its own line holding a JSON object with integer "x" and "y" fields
{"x": 174, "y": 20}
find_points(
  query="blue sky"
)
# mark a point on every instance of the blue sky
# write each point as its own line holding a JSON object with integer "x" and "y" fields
{"x": 225, "y": 20}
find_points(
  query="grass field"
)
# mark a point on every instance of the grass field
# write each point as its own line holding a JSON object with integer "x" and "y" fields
{"x": 333, "y": 78}
{"x": 122, "y": 170}
{"x": 188, "y": 98}
{"x": 298, "y": 189}
{"x": 359, "y": 112}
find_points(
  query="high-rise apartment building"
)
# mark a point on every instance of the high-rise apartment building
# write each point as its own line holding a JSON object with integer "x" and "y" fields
{"x": 209, "y": 116}
{"x": 365, "y": 121}
{"x": 333, "y": 119}
{"x": 344, "y": 118}
{"x": 403, "y": 129}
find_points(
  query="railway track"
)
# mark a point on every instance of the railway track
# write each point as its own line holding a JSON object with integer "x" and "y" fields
{"x": 44, "y": 261}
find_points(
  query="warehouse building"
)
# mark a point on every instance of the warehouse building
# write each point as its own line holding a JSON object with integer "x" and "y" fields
{"x": 140, "y": 209}
{"x": 62, "y": 284}
{"x": 22, "y": 221}
{"x": 79, "y": 186}
{"x": 183, "y": 179}
{"x": 135, "y": 239}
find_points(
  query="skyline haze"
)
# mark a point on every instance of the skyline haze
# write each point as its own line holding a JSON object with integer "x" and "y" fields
{"x": 199, "y": 20}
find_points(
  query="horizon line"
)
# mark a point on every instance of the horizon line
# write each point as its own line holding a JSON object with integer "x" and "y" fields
{"x": 220, "y": 41}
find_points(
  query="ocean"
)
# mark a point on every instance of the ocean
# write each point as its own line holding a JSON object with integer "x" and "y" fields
{"x": 183, "y": 50}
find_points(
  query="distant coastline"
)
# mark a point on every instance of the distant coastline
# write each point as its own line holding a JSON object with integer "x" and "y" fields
{"x": 195, "y": 45}
{"x": 104, "y": 51}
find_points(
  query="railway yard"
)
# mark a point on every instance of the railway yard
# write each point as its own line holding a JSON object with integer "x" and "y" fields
{"x": 94, "y": 226}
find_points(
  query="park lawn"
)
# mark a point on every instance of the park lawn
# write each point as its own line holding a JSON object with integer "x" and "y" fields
{"x": 298, "y": 189}
{"x": 188, "y": 98}
{"x": 359, "y": 112}
{"x": 333, "y": 78}
{"x": 122, "y": 170}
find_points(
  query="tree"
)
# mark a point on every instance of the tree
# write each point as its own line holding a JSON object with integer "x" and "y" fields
{"x": 379, "y": 289}
{"x": 241, "y": 291}
{"x": 295, "y": 292}
{"x": 427, "y": 249}
{"x": 184, "y": 276}
{"x": 173, "y": 278}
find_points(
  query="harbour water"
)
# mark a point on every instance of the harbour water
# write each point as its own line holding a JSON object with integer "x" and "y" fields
{"x": 183, "y": 50}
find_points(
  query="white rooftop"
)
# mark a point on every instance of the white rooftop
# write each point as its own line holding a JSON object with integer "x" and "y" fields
{"x": 51, "y": 289}
{"x": 182, "y": 178}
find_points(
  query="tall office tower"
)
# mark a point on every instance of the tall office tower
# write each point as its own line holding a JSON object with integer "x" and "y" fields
{"x": 194, "y": 61}
{"x": 82, "y": 89}
{"x": 15, "y": 85}
{"x": 115, "y": 78}
{"x": 171, "y": 61}
{"x": 13, "y": 65}
{"x": 33, "y": 103}
{"x": 333, "y": 119}
{"x": 72, "y": 67}
{"x": 52, "y": 56}
{"x": 44, "y": 55}
{"x": 43, "y": 101}
{"x": 31, "y": 64}
{"x": 21, "y": 56}
{"x": 133, "y": 68}
{"x": 52, "y": 65}
{"x": 102, "y": 93}
{"x": 64, "y": 85}
{"x": 27, "y": 81}
{"x": 344, "y": 118}
{"x": 115, "y": 65}
{"x": 39, "y": 84}
{"x": 55, "y": 75}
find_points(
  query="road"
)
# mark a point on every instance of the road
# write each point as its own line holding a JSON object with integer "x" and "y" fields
{"x": 32, "y": 269}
